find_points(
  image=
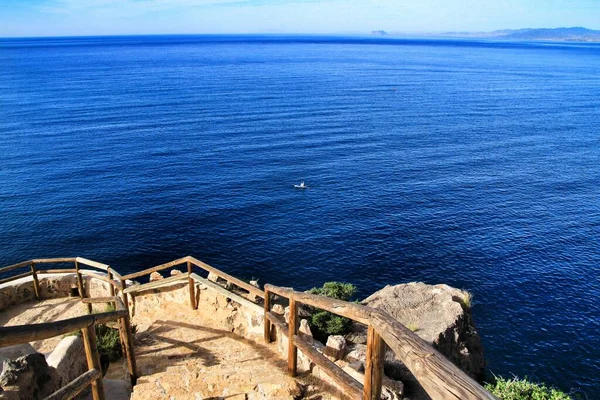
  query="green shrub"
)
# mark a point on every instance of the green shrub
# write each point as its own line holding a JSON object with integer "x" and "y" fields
{"x": 522, "y": 389}
{"x": 335, "y": 290}
{"x": 324, "y": 323}
{"x": 108, "y": 340}
{"x": 109, "y": 343}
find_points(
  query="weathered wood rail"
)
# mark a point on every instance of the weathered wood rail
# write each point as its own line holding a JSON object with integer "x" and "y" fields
{"x": 190, "y": 262}
{"x": 12, "y": 335}
{"x": 440, "y": 378}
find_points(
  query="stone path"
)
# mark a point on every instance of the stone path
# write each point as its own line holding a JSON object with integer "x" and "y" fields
{"x": 43, "y": 311}
{"x": 183, "y": 356}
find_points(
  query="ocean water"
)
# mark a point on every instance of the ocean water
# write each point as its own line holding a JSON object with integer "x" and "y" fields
{"x": 475, "y": 164}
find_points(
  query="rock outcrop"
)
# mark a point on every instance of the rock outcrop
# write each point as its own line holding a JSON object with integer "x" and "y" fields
{"x": 13, "y": 352}
{"x": 440, "y": 315}
{"x": 68, "y": 359}
{"x": 27, "y": 374}
{"x": 27, "y": 377}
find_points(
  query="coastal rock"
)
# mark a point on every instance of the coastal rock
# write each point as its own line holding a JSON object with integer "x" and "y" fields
{"x": 304, "y": 330}
{"x": 335, "y": 348}
{"x": 28, "y": 377}
{"x": 156, "y": 276}
{"x": 255, "y": 283}
{"x": 278, "y": 309}
{"x": 440, "y": 315}
{"x": 14, "y": 352}
{"x": 68, "y": 359}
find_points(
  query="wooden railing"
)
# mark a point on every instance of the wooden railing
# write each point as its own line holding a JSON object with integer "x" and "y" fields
{"x": 190, "y": 262}
{"x": 440, "y": 378}
{"x": 12, "y": 335}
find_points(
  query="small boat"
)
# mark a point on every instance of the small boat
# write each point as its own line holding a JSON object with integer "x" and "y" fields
{"x": 301, "y": 186}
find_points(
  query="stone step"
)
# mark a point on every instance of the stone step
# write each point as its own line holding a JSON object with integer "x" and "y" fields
{"x": 115, "y": 389}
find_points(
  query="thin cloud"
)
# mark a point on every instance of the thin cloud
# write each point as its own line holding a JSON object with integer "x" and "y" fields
{"x": 67, "y": 6}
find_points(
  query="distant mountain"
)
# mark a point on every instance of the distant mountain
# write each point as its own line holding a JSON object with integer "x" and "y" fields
{"x": 556, "y": 34}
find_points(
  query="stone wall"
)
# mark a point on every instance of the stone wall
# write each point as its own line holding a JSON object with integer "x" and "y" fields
{"x": 232, "y": 312}
{"x": 51, "y": 286}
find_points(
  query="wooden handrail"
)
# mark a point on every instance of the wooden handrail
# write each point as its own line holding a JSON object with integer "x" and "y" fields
{"x": 231, "y": 279}
{"x": 155, "y": 284}
{"x": 15, "y": 277}
{"x": 26, "y": 333}
{"x": 53, "y": 260}
{"x": 57, "y": 271}
{"x": 440, "y": 378}
{"x": 116, "y": 274}
{"x": 91, "y": 263}
{"x": 76, "y": 386}
{"x": 353, "y": 311}
{"x": 156, "y": 268}
{"x": 15, "y": 266}
{"x": 351, "y": 387}
{"x": 17, "y": 334}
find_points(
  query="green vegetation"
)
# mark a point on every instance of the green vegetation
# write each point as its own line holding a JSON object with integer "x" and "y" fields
{"x": 467, "y": 301}
{"x": 109, "y": 343}
{"x": 324, "y": 323}
{"x": 413, "y": 326}
{"x": 108, "y": 339}
{"x": 522, "y": 389}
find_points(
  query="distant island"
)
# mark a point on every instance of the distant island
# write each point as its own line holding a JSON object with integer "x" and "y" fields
{"x": 574, "y": 34}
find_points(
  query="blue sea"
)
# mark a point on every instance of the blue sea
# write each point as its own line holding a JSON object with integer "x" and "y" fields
{"x": 471, "y": 163}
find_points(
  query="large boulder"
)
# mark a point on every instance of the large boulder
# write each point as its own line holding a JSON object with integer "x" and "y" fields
{"x": 27, "y": 377}
{"x": 14, "y": 352}
{"x": 440, "y": 315}
{"x": 68, "y": 359}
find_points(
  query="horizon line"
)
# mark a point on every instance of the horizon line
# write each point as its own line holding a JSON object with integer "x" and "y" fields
{"x": 373, "y": 33}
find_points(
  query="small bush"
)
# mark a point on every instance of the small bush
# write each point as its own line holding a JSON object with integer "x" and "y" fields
{"x": 108, "y": 340}
{"x": 109, "y": 343}
{"x": 335, "y": 290}
{"x": 324, "y": 323}
{"x": 522, "y": 389}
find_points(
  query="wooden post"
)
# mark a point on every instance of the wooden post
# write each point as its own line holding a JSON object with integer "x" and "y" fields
{"x": 128, "y": 339}
{"x": 124, "y": 295}
{"x": 36, "y": 283}
{"x": 374, "y": 365}
{"x": 292, "y": 330}
{"x": 129, "y": 352}
{"x": 111, "y": 288}
{"x": 93, "y": 360}
{"x": 192, "y": 287}
{"x": 267, "y": 322}
{"x": 80, "y": 286}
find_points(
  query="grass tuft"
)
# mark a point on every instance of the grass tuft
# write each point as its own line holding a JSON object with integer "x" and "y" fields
{"x": 413, "y": 326}
{"x": 523, "y": 389}
{"x": 467, "y": 299}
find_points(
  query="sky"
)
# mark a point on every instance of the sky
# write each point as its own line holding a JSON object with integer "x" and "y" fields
{"x": 115, "y": 17}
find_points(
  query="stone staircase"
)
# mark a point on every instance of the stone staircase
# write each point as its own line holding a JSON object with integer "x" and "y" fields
{"x": 183, "y": 354}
